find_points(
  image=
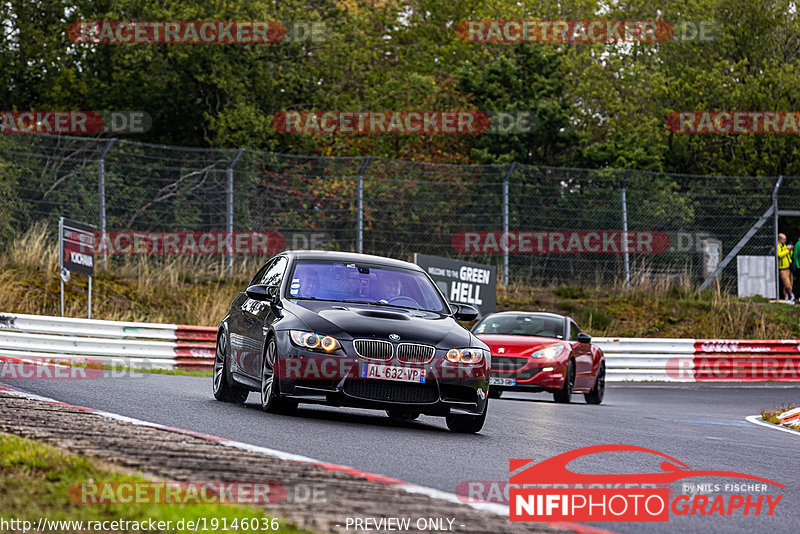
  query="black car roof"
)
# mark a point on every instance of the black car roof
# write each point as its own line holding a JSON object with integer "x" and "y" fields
{"x": 351, "y": 257}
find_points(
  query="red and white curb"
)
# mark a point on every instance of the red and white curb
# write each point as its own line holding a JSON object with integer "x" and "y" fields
{"x": 495, "y": 508}
{"x": 756, "y": 420}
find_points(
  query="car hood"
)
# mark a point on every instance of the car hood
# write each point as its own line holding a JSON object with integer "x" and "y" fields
{"x": 352, "y": 321}
{"x": 517, "y": 345}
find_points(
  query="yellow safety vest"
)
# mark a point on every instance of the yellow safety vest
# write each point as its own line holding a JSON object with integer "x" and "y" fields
{"x": 784, "y": 256}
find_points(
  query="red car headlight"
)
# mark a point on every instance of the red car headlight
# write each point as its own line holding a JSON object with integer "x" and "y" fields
{"x": 548, "y": 353}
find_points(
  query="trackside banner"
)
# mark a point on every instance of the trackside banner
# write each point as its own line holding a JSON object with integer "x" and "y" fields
{"x": 463, "y": 282}
{"x": 77, "y": 246}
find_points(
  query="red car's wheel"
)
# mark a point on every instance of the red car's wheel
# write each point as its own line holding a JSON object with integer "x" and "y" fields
{"x": 596, "y": 395}
{"x": 564, "y": 395}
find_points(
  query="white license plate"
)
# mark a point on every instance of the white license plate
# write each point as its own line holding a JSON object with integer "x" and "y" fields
{"x": 494, "y": 381}
{"x": 392, "y": 372}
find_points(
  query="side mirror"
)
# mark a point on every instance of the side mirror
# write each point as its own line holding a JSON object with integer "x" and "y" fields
{"x": 263, "y": 293}
{"x": 464, "y": 312}
{"x": 584, "y": 338}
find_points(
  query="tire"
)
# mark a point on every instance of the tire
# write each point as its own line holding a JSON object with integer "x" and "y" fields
{"x": 467, "y": 424}
{"x": 402, "y": 415}
{"x": 495, "y": 393}
{"x": 270, "y": 396}
{"x": 222, "y": 387}
{"x": 564, "y": 395}
{"x": 598, "y": 392}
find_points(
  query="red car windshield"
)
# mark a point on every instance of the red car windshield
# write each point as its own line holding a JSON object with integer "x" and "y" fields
{"x": 374, "y": 284}
{"x": 527, "y": 324}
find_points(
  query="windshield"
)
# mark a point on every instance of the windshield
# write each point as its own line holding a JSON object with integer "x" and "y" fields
{"x": 374, "y": 284}
{"x": 528, "y": 324}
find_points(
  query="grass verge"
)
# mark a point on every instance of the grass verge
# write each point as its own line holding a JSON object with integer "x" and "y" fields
{"x": 179, "y": 372}
{"x": 35, "y": 480}
{"x": 659, "y": 311}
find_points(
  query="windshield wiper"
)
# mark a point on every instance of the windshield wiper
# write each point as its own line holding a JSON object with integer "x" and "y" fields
{"x": 378, "y": 303}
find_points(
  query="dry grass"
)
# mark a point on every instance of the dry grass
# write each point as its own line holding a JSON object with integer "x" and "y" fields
{"x": 658, "y": 309}
{"x": 195, "y": 290}
{"x": 178, "y": 289}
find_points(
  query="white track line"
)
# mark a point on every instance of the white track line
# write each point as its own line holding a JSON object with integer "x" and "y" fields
{"x": 756, "y": 420}
{"x": 496, "y": 508}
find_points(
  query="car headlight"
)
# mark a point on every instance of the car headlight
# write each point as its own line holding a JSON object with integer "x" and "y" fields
{"x": 548, "y": 353}
{"x": 465, "y": 355}
{"x": 311, "y": 340}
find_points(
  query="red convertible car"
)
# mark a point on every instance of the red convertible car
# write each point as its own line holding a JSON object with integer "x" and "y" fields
{"x": 542, "y": 352}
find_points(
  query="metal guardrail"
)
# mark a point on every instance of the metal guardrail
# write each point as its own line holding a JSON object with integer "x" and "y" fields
{"x": 700, "y": 360}
{"x": 648, "y": 359}
{"x": 174, "y": 346}
{"x": 162, "y": 346}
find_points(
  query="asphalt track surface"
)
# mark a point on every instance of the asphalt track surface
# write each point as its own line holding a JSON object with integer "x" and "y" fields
{"x": 700, "y": 425}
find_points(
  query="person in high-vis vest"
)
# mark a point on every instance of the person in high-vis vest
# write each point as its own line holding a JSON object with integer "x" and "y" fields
{"x": 784, "y": 261}
{"x": 795, "y": 270}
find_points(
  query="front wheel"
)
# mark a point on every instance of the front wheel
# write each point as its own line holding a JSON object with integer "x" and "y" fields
{"x": 270, "y": 397}
{"x": 596, "y": 395}
{"x": 467, "y": 424}
{"x": 564, "y": 395}
{"x": 223, "y": 390}
{"x": 495, "y": 393}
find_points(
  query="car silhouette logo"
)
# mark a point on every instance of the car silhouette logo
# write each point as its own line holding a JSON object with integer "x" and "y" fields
{"x": 394, "y": 337}
{"x": 501, "y": 350}
{"x": 554, "y": 470}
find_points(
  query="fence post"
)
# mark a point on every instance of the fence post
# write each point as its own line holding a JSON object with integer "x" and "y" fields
{"x": 360, "y": 207}
{"x": 625, "y": 229}
{"x": 229, "y": 218}
{"x": 505, "y": 222}
{"x": 101, "y": 194}
{"x": 775, "y": 232}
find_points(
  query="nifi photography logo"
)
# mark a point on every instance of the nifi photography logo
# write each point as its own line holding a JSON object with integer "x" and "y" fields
{"x": 549, "y": 491}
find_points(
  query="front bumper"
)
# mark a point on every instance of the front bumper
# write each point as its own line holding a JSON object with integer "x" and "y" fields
{"x": 336, "y": 380}
{"x": 535, "y": 375}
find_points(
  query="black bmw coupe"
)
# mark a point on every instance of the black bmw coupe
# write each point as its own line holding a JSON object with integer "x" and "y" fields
{"x": 355, "y": 330}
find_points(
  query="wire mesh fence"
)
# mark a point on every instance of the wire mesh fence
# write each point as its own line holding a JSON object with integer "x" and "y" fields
{"x": 540, "y": 225}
